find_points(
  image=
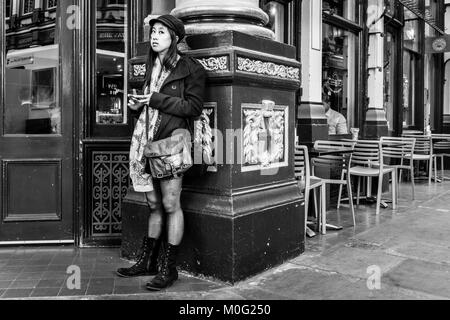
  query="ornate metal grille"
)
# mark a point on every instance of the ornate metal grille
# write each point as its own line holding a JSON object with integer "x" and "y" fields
{"x": 110, "y": 181}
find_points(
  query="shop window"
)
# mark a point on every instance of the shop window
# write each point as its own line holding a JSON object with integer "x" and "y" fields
{"x": 27, "y": 7}
{"x": 411, "y": 31}
{"x": 409, "y": 85}
{"x": 111, "y": 66}
{"x": 31, "y": 71}
{"x": 447, "y": 93}
{"x": 390, "y": 70}
{"x": 8, "y": 9}
{"x": 339, "y": 69}
{"x": 342, "y": 8}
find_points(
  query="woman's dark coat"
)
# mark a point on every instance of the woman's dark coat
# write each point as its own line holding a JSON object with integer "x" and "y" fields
{"x": 180, "y": 98}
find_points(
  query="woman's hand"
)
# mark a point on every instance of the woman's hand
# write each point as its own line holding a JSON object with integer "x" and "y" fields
{"x": 136, "y": 102}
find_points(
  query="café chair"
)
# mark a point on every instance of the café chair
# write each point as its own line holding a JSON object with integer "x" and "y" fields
{"x": 400, "y": 149}
{"x": 441, "y": 149}
{"x": 338, "y": 164}
{"x": 367, "y": 162}
{"x": 423, "y": 151}
{"x": 307, "y": 183}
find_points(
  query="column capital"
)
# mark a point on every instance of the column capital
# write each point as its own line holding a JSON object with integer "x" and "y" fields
{"x": 201, "y": 16}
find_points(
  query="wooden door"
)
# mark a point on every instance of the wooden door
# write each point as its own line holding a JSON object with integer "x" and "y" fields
{"x": 36, "y": 128}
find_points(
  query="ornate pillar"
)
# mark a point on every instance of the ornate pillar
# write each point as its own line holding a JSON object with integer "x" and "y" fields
{"x": 375, "y": 124}
{"x": 311, "y": 120}
{"x": 209, "y": 16}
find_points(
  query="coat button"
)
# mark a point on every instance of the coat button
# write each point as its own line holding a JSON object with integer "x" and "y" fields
{"x": 174, "y": 87}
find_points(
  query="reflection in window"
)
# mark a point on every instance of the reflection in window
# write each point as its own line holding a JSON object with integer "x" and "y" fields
{"x": 111, "y": 62}
{"x": 409, "y": 73}
{"x": 339, "y": 68}
{"x": 346, "y": 9}
{"x": 392, "y": 7}
{"x": 411, "y": 31}
{"x": 276, "y": 12}
{"x": 31, "y": 80}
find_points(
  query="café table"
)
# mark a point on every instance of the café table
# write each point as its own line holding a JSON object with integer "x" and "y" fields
{"x": 321, "y": 152}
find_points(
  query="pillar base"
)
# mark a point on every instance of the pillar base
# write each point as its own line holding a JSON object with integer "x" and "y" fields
{"x": 376, "y": 125}
{"x": 312, "y": 123}
{"x": 228, "y": 245}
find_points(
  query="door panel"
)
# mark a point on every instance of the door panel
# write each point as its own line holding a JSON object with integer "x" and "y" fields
{"x": 36, "y": 141}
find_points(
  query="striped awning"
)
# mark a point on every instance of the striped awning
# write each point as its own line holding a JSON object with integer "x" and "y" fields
{"x": 412, "y": 6}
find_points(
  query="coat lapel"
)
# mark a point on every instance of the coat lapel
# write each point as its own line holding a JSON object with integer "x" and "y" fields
{"x": 181, "y": 71}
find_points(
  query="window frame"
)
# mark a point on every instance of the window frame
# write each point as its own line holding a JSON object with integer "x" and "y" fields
{"x": 357, "y": 29}
{"x": 93, "y": 129}
{"x": 22, "y": 8}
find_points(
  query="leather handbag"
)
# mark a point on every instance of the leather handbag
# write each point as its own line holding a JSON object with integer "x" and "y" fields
{"x": 169, "y": 157}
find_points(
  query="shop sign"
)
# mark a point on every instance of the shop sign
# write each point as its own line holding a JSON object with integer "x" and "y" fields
{"x": 437, "y": 44}
{"x": 15, "y": 62}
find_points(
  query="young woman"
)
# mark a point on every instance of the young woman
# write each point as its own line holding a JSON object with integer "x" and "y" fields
{"x": 174, "y": 91}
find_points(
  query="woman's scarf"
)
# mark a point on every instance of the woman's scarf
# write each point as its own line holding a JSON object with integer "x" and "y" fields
{"x": 142, "y": 181}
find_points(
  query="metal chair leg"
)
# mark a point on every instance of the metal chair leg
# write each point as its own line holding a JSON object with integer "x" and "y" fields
{"x": 379, "y": 193}
{"x": 350, "y": 200}
{"x": 323, "y": 207}
{"x": 413, "y": 183}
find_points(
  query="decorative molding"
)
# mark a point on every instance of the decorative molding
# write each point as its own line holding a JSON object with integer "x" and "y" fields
{"x": 139, "y": 70}
{"x": 268, "y": 69}
{"x": 204, "y": 139}
{"x": 265, "y": 138}
{"x": 110, "y": 182}
{"x": 215, "y": 63}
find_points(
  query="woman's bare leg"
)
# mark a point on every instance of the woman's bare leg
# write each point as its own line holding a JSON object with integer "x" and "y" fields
{"x": 156, "y": 220}
{"x": 171, "y": 196}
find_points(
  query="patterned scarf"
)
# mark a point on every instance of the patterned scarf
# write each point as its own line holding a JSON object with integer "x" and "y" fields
{"x": 142, "y": 181}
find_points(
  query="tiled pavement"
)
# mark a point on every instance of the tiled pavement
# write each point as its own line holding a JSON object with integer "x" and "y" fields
{"x": 410, "y": 246}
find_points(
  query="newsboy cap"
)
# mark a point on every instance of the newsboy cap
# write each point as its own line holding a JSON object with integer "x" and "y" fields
{"x": 173, "y": 23}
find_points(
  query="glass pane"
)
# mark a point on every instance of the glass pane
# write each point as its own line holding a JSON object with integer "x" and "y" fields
{"x": 411, "y": 31}
{"x": 111, "y": 66}
{"x": 392, "y": 7}
{"x": 430, "y": 13}
{"x": 409, "y": 69}
{"x": 276, "y": 12}
{"x": 31, "y": 77}
{"x": 348, "y": 9}
{"x": 389, "y": 78}
{"x": 339, "y": 70}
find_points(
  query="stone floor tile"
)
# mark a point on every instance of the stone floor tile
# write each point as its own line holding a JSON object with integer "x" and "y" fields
{"x": 30, "y": 276}
{"x": 50, "y": 283}
{"x": 421, "y": 276}
{"x": 24, "y": 284}
{"x": 4, "y": 284}
{"x": 16, "y": 293}
{"x": 45, "y": 292}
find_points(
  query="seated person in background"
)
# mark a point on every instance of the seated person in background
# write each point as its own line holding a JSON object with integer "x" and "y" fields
{"x": 337, "y": 124}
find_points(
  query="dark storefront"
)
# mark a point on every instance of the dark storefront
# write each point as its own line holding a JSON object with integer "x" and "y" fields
{"x": 65, "y": 126}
